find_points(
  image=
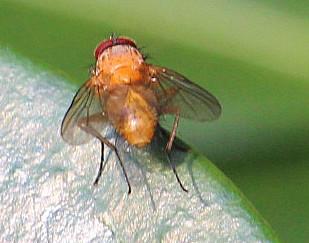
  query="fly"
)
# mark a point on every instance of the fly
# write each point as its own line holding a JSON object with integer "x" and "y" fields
{"x": 131, "y": 95}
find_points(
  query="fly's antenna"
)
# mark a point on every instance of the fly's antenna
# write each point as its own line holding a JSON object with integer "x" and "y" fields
{"x": 113, "y": 36}
{"x": 144, "y": 54}
{"x": 91, "y": 69}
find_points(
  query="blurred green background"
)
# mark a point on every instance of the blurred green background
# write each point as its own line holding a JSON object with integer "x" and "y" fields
{"x": 254, "y": 56}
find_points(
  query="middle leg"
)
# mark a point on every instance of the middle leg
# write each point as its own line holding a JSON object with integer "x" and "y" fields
{"x": 168, "y": 149}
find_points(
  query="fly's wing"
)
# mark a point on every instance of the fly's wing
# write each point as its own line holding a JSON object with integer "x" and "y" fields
{"x": 86, "y": 108}
{"x": 177, "y": 94}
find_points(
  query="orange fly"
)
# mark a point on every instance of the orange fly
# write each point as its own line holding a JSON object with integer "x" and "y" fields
{"x": 131, "y": 95}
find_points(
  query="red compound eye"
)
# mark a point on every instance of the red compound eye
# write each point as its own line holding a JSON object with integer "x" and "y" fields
{"x": 112, "y": 42}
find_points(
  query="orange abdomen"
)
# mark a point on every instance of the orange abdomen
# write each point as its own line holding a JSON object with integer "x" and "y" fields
{"x": 132, "y": 113}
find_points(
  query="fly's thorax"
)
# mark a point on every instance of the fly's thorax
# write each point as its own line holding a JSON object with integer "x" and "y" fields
{"x": 133, "y": 114}
{"x": 122, "y": 64}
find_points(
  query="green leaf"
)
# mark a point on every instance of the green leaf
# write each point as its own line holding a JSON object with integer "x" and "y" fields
{"x": 252, "y": 56}
{"x": 46, "y": 187}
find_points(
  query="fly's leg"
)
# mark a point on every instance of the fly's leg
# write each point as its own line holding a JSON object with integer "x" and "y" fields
{"x": 102, "y": 166}
{"x": 85, "y": 122}
{"x": 89, "y": 129}
{"x": 171, "y": 139}
{"x": 175, "y": 172}
{"x": 179, "y": 146}
{"x": 168, "y": 149}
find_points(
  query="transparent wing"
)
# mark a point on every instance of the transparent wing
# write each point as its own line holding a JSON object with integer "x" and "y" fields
{"x": 87, "y": 108}
{"x": 176, "y": 93}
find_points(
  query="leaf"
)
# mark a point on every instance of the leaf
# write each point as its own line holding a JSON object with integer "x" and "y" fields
{"x": 46, "y": 185}
{"x": 252, "y": 56}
